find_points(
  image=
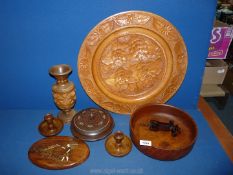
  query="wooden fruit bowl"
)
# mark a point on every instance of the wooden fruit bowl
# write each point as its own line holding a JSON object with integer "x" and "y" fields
{"x": 162, "y": 132}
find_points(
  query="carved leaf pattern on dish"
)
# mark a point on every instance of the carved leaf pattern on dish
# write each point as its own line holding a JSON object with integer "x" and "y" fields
{"x": 132, "y": 18}
{"x": 165, "y": 29}
{"x": 89, "y": 87}
{"x": 118, "y": 63}
{"x": 84, "y": 67}
{"x": 93, "y": 38}
{"x": 172, "y": 87}
{"x": 117, "y": 107}
{"x": 132, "y": 64}
{"x": 181, "y": 54}
{"x": 140, "y": 19}
{"x": 106, "y": 27}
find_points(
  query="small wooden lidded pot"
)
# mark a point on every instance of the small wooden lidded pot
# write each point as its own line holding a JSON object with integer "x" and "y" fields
{"x": 92, "y": 124}
{"x": 162, "y": 131}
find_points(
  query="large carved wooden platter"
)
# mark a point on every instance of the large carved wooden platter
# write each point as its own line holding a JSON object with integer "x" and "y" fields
{"x": 130, "y": 59}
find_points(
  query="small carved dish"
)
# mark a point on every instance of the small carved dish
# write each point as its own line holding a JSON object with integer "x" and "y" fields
{"x": 132, "y": 58}
{"x": 58, "y": 152}
{"x": 162, "y": 131}
{"x": 118, "y": 144}
{"x": 92, "y": 124}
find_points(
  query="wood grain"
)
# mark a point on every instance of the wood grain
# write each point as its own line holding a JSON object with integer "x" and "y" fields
{"x": 58, "y": 152}
{"x": 118, "y": 144}
{"x": 132, "y": 58}
{"x": 164, "y": 146}
{"x": 221, "y": 132}
{"x": 50, "y": 126}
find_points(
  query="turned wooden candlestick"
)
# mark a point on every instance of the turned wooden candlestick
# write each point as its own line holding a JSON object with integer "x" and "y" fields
{"x": 118, "y": 144}
{"x": 63, "y": 90}
{"x": 50, "y": 126}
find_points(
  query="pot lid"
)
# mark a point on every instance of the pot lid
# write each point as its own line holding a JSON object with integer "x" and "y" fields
{"x": 92, "y": 124}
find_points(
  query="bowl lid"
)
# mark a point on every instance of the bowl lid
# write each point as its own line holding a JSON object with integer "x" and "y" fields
{"x": 92, "y": 124}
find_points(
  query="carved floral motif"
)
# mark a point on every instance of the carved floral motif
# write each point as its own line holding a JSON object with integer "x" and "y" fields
{"x": 90, "y": 89}
{"x": 106, "y": 27}
{"x": 131, "y": 18}
{"x": 117, "y": 107}
{"x": 57, "y": 152}
{"x": 165, "y": 29}
{"x": 65, "y": 100}
{"x": 93, "y": 39}
{"x": 132, "y": 64}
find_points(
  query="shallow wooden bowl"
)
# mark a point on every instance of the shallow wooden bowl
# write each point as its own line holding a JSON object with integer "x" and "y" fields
{"x": 162, "y": 145}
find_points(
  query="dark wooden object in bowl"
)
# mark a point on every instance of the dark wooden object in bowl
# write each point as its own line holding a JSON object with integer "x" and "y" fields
{"x": 171, "y": 132}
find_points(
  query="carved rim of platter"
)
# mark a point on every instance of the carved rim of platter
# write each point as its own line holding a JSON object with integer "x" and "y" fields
{"x": 132, "y": 23}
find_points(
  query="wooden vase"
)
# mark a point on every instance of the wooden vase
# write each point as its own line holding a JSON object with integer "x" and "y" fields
{"x": 63, "y": 91}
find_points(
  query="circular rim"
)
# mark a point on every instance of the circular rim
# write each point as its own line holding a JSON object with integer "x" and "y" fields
{"x": 172, "y": 107}
{"x": 114, "y": 97}
{"x": 54, "y": 70}
{"x": 93, "y": 137}
{"x": 163, "y": 29}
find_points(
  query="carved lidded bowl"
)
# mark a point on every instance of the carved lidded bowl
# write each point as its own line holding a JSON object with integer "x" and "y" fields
{"x": 92, "y": 124}
{"x": 130, "y": 59}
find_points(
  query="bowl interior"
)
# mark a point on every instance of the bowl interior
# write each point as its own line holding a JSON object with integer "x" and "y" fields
{"x": 61, "y": 69}
{"x": 163, "y": 139}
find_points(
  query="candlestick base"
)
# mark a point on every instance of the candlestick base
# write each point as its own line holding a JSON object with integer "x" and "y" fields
{"x": 65, "y": 116}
